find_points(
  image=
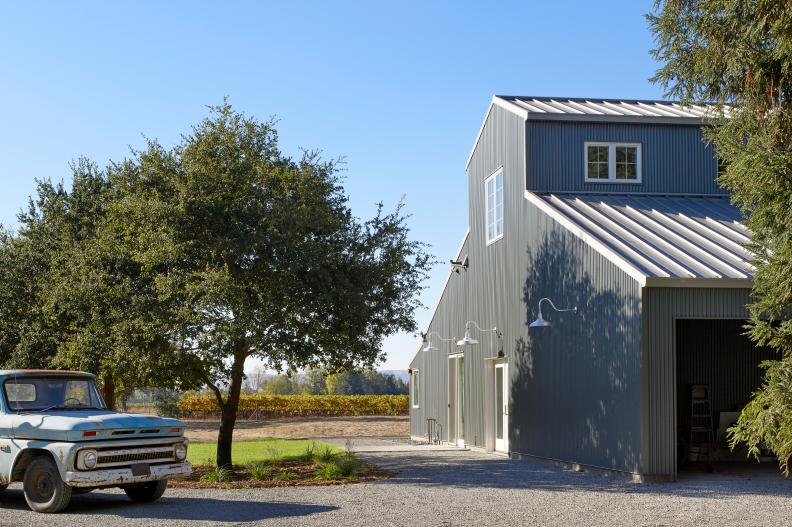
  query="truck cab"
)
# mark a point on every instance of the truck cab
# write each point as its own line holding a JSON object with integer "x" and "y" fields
{"x": 58, "y": 438}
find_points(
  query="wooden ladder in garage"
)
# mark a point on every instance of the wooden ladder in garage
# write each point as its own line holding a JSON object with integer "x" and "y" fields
{"x": 701, "y": 432}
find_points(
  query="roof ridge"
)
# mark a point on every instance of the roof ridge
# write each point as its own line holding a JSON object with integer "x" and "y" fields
{"x": 594, "y": 99}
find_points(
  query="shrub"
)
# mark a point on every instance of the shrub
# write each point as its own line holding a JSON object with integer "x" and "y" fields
{"x": 286, "y": 475}
{"x": 167, "y": 402}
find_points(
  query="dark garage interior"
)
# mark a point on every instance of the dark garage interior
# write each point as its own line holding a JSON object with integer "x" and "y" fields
{"x": 717, "y": 369}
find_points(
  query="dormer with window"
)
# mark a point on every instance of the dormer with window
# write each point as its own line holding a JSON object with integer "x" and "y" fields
{"x": 615, "y": 146}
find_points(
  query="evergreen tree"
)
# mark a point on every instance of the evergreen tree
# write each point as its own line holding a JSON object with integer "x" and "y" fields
{"x": 738, "y": 55}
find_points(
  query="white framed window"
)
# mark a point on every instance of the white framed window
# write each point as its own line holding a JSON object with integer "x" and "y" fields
{"x": 415, "y": 389}
{"x": 612, "y": 162}
{"x": 493, "y": 194}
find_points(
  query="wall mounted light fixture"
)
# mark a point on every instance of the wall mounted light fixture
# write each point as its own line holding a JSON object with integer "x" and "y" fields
{"x": 467, "y": 340}
{"x": 540, "y": 322}
{"x": 427, "y": 338}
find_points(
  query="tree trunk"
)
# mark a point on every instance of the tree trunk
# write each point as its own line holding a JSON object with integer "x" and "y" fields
{"x": 108, "y": 391}
{"x": 228, "y": 413}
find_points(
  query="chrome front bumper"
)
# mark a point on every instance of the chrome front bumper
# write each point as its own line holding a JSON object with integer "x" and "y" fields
{"x": 122, "y": 476}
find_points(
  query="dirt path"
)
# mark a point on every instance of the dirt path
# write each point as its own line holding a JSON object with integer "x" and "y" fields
{"x": 303, "y": 427}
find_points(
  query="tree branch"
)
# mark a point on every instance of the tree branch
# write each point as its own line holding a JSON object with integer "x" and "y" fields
{"x": 218, "y": 395}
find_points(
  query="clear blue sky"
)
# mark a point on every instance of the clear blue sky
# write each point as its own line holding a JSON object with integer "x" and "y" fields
{"x": 398, "y": 88}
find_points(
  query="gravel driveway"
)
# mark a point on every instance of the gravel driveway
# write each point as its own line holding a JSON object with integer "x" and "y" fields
{"x": 446, "y": 489}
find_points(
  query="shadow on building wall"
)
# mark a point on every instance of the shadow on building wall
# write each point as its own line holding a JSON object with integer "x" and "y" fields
{"x": 575, "y": 388}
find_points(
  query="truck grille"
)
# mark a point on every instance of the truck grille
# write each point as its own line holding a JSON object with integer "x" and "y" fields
{"x": 128, "y": 456}
{"x": 151, "y": 455}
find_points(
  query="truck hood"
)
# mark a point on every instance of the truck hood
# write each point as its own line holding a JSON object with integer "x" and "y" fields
{"x": 71, "y": 426}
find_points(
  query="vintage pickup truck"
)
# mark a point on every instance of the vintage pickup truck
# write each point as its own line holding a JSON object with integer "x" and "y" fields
{"x": 59, "y": 439}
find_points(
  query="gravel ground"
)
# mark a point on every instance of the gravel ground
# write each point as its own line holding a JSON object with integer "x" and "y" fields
{"x": 447, "y": 489}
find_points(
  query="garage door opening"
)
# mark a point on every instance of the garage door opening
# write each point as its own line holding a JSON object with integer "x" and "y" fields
{"x": 717, "y": 370}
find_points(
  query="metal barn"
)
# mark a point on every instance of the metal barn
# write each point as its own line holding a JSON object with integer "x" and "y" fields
{"x": 610, "y": 211}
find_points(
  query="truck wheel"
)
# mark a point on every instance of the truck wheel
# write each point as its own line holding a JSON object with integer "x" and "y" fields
{"x": 44, "y": 489}
{"x": 146, "y": 492}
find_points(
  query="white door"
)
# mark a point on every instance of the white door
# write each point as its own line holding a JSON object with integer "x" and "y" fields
{"x": 501, "y": 408}
{"x": 452, "y": 406}
{"x": 456, "y": 400}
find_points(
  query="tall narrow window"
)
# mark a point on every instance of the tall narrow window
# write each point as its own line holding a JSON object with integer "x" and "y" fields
{"x": 613, "y": 162}
{"x": 493, "y": 189}
{"x": 415, "y": 388}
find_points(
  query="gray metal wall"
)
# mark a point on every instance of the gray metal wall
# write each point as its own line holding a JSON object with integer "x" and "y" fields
{"x": 575, "y": 387}
{"x": 489, "y": 292}
{"x": 494, "y": 293}
{"x": 673, "y": 157}
{"x": 661, "y": 308}
{"x": 577, "y": 384}
{"x": 447, "y": 321}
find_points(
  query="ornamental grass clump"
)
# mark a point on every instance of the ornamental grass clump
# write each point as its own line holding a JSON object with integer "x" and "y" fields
{"x": 350, "y": 466}
{"x": 328, "y": 471}
{"x": 260, "y": 471}
{"x": 325, "y": 455}
{"x": 338, "y": 468}
{"x": 217, "y": 474}
{"x": 308, "y": 454}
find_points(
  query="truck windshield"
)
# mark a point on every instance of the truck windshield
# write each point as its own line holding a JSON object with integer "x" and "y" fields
{"x": 45, "y": 393}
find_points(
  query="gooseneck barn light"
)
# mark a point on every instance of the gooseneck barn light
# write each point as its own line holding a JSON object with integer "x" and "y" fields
{"x": 540, "y": 322}
{"x": 427, "y": 337}
{"x": 467, "y": 340}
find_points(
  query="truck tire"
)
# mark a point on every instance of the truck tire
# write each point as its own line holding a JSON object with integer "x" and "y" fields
{"x": 146, "y": 492}
{"x": 44, "y": 489}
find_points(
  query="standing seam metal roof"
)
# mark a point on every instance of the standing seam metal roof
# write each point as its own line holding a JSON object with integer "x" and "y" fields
{"x": 664, "y": 236}
{"x": 554, "y": 106}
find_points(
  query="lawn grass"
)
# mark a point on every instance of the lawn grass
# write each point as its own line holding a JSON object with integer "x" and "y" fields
{"x": 249, "y": 451}
{"x": 276, "y": 463}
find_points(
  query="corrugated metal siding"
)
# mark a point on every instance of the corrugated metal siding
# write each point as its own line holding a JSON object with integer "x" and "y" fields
{"x": 577, "y": 384}
{"x": 575, "y": 387}
{"x": 488, "y": 292}
{"x": 448, "y": 321}
{"x": 494, "y": 278}
{"x": 661, "y": 308}
{"x": 674, "y": 158}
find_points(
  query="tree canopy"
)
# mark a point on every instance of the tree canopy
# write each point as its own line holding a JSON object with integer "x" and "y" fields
{"x": 178, "y": 264}
{"x": 74, "y": 297}
{"x": 738, "y": 56}
{"x": 263, "y": 257}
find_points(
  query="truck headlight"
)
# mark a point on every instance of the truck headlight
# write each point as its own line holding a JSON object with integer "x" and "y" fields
{"x": 180, "y": 452}
{"x": 87, "y": 459}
